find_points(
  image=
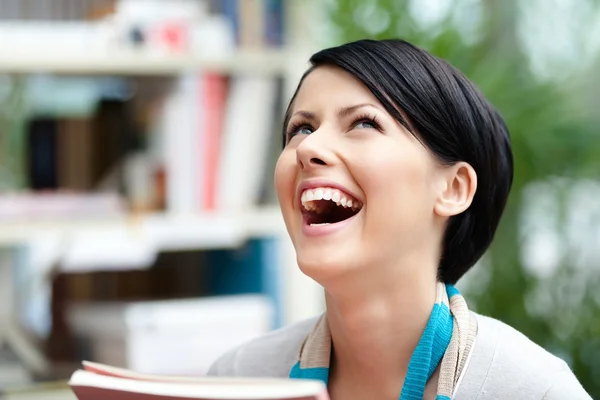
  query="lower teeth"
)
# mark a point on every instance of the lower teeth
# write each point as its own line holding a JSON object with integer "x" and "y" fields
{"x": 324, "y": 223}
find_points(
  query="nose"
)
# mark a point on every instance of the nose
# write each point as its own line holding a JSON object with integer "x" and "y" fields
{"x": 313, "y": 152}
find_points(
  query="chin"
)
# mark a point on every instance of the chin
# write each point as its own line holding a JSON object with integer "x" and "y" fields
{"x": 326, "y": 225}
{"x": 323, "y": 263}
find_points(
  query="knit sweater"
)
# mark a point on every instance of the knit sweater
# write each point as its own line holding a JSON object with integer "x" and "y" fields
{"x": 504, "y": 364}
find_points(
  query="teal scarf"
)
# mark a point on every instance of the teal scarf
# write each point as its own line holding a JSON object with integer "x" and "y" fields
{"x": 447, "y": 338}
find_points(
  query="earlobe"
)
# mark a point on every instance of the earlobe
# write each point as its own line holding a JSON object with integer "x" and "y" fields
{"x": 458, "y": 189}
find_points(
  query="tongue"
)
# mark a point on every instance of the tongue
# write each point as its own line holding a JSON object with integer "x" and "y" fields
{"x": 330, "y": 213}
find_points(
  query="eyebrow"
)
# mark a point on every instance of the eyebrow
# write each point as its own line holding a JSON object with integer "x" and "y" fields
{"x": 341, "y": 112}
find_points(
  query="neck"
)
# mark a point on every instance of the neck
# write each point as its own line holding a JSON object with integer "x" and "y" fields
{"x": 376, "y": 321}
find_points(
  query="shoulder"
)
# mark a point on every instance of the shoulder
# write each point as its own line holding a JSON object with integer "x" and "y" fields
{"x": 507, "y": 364}
{"x": 271, "y": 355}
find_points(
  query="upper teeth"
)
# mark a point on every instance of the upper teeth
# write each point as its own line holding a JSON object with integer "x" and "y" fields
{"x": 325, "y": 193}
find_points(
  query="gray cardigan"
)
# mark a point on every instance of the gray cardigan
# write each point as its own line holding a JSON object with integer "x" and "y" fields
{"x": 504, "y": 364}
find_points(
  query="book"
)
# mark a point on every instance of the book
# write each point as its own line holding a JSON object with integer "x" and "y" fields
{"x": 102, "y": 382}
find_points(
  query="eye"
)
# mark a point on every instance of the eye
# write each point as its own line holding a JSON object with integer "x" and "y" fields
{"x": 365, "y": 125}
{"x": 366, "y": 122}
{"x": 299, "y": 128}
{"x": 303, "y": 130}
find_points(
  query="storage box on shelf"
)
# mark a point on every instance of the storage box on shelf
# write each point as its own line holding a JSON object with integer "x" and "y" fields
{"x": 172, "y": 337}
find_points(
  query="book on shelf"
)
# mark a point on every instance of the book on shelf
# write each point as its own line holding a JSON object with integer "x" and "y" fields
{"x": 196, "y": 140}
{"x": 98, "y": 381}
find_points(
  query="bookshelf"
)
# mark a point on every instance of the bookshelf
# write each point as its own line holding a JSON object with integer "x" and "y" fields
{"x": 165, "y": 229}
{"x": 139, "y": 63}
{"x": 133, "y": 239}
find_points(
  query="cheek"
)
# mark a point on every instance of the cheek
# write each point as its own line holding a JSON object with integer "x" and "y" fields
{"x": 395, "y": 180}
{"x": 285, "y": 174}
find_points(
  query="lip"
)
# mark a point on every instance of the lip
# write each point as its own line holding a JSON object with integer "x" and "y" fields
{"x": 315, "y": 183}
{"x": 321, "y": 230}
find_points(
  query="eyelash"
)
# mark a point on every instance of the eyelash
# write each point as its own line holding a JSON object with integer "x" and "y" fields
{"x": 294, "y": 127}
{"x": 372, "y": 119}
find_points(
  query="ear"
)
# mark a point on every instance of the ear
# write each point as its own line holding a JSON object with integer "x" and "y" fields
{"x": 457, "y": 189}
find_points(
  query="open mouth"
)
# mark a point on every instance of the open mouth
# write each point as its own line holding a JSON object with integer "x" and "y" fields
{"x": 323, "y": 205}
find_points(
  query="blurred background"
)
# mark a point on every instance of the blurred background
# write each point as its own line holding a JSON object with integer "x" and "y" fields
{"x": 139, "y": 224}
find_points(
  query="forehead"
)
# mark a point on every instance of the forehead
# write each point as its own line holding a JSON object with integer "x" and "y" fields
{"x": 328, "y": 86}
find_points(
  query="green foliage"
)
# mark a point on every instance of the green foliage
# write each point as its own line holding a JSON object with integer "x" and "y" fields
{"x": 12, "y": 110}
{"x": 553, "y": 134}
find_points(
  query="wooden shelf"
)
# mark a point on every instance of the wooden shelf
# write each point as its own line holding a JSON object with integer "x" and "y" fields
{"x": 269, "y": 61}
{"x": 133, "y": 241}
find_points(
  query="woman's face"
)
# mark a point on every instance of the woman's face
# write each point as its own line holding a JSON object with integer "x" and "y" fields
{"x": 355, "y": 188}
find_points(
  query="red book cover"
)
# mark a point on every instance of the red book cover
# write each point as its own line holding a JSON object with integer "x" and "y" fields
{"x": 214, "y": 98}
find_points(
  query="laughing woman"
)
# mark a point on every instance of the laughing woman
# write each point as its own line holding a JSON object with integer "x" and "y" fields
{"x": 393, "y": 178}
